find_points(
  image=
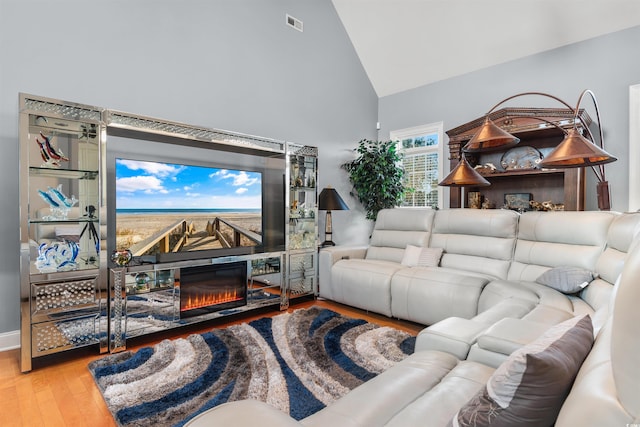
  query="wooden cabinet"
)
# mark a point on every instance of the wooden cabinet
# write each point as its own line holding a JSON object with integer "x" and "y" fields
{"x": 516, "y": 170}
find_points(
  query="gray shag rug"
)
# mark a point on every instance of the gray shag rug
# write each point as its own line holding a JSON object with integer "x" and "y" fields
{"x": 298, "y": 362}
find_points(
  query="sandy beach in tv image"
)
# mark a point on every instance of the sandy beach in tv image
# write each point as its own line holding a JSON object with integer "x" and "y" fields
{"x": 153, "y": 196}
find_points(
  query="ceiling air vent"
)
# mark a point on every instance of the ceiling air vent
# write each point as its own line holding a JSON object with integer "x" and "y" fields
{"x": 294, "y": 22}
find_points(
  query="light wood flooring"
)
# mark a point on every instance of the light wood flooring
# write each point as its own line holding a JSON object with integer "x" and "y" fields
{"x": 60, "y": 391}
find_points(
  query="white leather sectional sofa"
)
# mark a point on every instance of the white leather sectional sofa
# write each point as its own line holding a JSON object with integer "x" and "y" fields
{"x": 489, "y": 266}
{"x": 489, "y": 271}
{"x": 491, "y": 321}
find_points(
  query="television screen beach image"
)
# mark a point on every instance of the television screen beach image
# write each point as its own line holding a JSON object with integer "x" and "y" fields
{"x": 170, "y": 207}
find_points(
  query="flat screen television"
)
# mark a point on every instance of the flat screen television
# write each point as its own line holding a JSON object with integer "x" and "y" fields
{"x": 175, "y": 203}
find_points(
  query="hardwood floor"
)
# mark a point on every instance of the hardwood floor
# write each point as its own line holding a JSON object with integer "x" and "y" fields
{"x": 60, "y": 391}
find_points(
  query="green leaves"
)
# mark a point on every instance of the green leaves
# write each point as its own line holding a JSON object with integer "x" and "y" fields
{"x": 376, "y": 175}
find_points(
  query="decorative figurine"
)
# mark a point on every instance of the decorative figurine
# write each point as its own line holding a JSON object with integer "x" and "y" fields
{"x": 488, "y": 204}
{"x": 475, "y": 200}
{"x": 58, "y": 203}
{"x": 57, "y": 256}
{"x": 546, "y": 206}
{"x": 52, "y": 156}
{"x": 486, "y": 169}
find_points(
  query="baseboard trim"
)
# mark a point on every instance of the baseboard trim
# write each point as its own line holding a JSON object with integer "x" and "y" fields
{"x": 9, "y": 340}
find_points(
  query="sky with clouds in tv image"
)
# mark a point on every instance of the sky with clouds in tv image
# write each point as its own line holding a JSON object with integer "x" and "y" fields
{"x": 167, "y": 186}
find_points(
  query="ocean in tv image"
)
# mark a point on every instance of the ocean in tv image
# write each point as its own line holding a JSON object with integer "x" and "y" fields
{"x": 165, "y": 207}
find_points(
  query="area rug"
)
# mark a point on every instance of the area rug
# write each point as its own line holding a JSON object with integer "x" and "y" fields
{"x": 298, "y": 362}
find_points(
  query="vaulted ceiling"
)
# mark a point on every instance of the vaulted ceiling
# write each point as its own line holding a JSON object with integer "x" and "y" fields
{"x": 404, "y": 44}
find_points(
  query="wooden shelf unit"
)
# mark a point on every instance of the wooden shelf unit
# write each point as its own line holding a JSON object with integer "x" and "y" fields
{"x": 559, "y": 186}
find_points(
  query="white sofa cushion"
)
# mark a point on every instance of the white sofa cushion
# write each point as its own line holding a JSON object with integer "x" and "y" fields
{"x": 554, "y": 239}
{"x": 364, "y": 284}
{"x": 624, "y": 230}
{"x": 499, "y": 290}
{"x": 429, "y": 294}
{"x": 480, "y": 241}
{"x": 397, "y": 228}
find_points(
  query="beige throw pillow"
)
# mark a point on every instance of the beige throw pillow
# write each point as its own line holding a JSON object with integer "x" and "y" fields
{"x": 411, "y": 256}
{"x": 416, "y": 256}
{"x": 430, "y": 257}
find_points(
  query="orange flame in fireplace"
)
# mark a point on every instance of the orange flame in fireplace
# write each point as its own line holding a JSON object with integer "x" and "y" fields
{"x": 213, "y": 298}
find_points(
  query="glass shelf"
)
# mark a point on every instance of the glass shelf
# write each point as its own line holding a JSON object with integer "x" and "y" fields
{"x": 135, "y": 289}
{"x": 83, "y": 264}
{"x": 62, "y": 173}
{"x": 302, "y": 228}
{"x": 145, "y": 282}
{"x": 265, "y": 266}
{"x": 60, "y": 151}
{"x": 293, "y": 218}
{"x": 63, "y": 221}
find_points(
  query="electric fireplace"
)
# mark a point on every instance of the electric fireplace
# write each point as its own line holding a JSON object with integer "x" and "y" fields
{"x": 210, "y": 288}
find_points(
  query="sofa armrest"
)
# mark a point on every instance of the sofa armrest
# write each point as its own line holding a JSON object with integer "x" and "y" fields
{"x": 334, "y": 254}
{"x": 328, "y": 257}
{"x": 243, "y": 413}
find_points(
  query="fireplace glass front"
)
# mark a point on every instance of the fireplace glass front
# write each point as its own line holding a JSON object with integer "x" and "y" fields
{"x": 210, "y": 288}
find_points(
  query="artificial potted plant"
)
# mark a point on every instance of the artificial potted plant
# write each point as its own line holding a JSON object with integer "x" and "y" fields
{"x": 376, "y": 175}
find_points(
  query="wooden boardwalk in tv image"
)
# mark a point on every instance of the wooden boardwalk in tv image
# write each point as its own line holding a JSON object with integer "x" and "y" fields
{"x": 182, "y": 236}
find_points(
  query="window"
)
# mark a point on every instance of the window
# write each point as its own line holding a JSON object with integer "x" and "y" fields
{"x": 422, "y": 151}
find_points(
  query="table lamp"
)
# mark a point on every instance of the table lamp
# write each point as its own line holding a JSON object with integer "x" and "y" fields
{"x": 329, "y": 200}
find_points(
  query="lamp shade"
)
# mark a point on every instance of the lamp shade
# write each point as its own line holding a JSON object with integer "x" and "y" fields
{"x": 490, "y": 137}
{"x": 330, "y": 200}
{"x": 576, "y": 151}
{"x": 464, "y": 175}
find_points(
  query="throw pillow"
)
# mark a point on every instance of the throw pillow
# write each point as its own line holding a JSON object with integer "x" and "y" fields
{"x": 567, "y": 280}
{"x": 429, "y": 257}
{"x": 411, "y": 256}
{"x": 416, "y": 256}
{"x": 529, "y": 388}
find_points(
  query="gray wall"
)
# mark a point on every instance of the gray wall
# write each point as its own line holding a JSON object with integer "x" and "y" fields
{"x": 217, "y": 63}
{"x": 607, "y": 65}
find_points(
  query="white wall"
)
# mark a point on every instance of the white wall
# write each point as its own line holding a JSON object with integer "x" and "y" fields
{"x": 608, "y": 65}
{"x": 217, "y": 63}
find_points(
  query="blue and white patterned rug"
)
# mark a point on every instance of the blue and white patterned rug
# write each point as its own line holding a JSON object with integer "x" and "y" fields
{"x": 298, "y": 362}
